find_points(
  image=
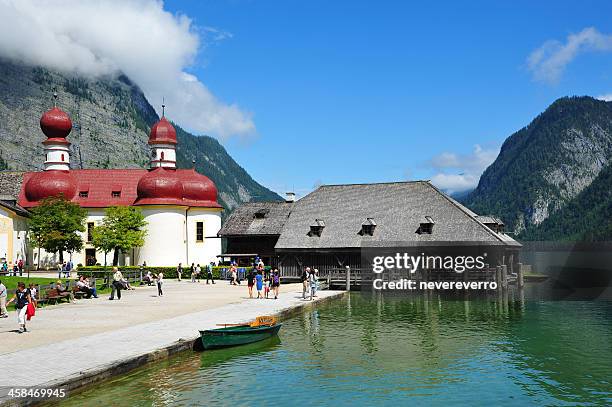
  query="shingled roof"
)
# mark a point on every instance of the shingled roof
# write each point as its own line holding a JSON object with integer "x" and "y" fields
{"x": 257, "y": 218}
{"x": 398, "y": 209}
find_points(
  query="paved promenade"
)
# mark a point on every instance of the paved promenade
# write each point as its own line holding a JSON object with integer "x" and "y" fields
{"x": 70, "y": 342}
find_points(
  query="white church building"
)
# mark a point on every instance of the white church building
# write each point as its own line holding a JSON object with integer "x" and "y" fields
{"x": 179, "y": 205}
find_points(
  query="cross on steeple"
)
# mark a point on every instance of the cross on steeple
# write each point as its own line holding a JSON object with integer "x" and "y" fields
{"x": 163, "y": 106}
{"x": 54, "y": 98}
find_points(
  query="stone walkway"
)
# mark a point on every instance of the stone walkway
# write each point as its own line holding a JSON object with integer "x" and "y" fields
{"x": 82, "y": 359}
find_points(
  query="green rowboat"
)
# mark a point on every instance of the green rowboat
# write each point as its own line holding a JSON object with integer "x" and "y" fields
{"x": 237, "y": 335}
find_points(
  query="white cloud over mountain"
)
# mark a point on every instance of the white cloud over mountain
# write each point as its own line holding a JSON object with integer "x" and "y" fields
{"x": 605, "y": 98}
{"x": 461, "y": 172}
{"x": 137, "y": 37}
{"x": 548, "y": 62}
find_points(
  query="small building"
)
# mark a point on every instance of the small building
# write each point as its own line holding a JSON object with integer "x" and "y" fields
{"x": 329, "y": 228}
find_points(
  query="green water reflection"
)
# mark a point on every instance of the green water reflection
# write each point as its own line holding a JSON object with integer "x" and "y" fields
{"x": 378, "y": 349}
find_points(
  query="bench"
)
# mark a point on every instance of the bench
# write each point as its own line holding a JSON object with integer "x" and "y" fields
{"x": 78, "y": 294}
{"x": 52, "y": 296}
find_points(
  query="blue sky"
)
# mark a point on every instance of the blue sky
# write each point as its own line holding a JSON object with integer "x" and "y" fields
{"x": 358, "y": 91}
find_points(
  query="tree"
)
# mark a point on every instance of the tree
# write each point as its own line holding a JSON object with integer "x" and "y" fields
{"x": 55, "y": 223}
{"x": 120, "y": 231}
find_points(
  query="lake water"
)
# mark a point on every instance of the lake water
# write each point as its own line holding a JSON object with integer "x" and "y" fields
{"x": 389, "y": 350}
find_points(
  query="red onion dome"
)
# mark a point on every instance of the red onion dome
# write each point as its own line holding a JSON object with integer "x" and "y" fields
{"x": 162, "y": 132}
{"x": 159, "y": 186}
{"x": 50, "y": 183}
{"x": 198, "y": 187}
{"x": 55, "y": 123}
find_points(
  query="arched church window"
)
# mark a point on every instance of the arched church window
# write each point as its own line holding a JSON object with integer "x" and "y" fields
{"x": 62, "y": 157}
{"x": 162, "y": 156}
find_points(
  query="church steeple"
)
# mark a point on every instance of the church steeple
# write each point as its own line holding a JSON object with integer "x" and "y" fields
{"x": 56, "y": 125}
{"x": 163, "y": 143}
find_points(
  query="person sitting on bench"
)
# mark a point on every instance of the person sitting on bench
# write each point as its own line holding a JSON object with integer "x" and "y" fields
{"x": 83, "y": 285}
{"x": 148, "y": 278}
{"x": 63, "y": 291}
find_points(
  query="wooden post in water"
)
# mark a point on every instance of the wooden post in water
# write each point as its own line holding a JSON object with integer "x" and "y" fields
{"x": 348, "y": 278}
{"x": 498, "y": 278}
{"x": 504, "y": 270}
{"x": 519, "y": 277}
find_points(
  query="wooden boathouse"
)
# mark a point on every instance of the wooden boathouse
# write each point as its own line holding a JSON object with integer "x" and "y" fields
{"x": 330, "y": 228}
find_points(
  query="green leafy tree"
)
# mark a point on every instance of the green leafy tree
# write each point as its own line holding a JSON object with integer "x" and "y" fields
{"x": 121, "y": 230}
{"x": 55, "y": 225}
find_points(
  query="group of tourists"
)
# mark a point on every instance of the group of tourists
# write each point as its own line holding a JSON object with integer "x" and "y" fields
{"x": 12, "y": 269}
{"x": 310, "y": 282}
{"x": 264, "y": 280}
{"x": 196, "y": 271}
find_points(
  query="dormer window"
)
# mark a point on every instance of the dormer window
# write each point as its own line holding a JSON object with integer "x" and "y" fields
{"x": 116, "y": 191}
{"x": 426, "y": 228}
{"x": 493, "y": 223}
{"x": 367, "y": 227}
{"x": 83, "y": 191}
{"x": 316, "y": 228}
{"x": 260, "y": 214}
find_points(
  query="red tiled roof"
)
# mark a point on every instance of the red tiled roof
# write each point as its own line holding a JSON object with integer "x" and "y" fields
{"x": 99, "y": 185}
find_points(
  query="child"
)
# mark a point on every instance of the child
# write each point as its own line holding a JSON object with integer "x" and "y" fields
{"x": 259, "y": 282}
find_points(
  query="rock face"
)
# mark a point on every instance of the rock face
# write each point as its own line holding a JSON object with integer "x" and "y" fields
{"x": 547, "y": 165}
{"x": 111, "y": 121}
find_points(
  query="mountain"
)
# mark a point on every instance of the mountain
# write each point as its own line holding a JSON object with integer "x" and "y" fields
{"x": 111, "y": 121}
{"x": 587, "y": 217}
{"x": 546, "y": 175}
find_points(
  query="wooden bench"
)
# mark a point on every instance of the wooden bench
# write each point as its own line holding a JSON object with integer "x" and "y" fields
{"x": 52, "y": 296}
{"x": 76, "y": 291}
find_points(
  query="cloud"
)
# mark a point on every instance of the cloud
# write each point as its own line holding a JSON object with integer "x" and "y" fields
{"x": 605, "y": 98}
{"x": 548, "y": 62}
{"x": 137, "y": 37}
{"x": 461, "y": 172}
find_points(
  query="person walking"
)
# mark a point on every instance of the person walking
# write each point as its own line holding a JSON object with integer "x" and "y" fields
{"x": 304, "y": 278}
{"x": 22, "y": 298}
{"x": 312, "y": 282}
{"x": 179, "y": 271}
{"x": 259, "y": 282}
{"x": 275, "y": 283}
{"x": 3, "y": 295}
{"x": 20, "y": 265}
{"x": 160, "y": 282}
{"x": 234, "y": 274}
{"x": 117, "y": 284}
{"x": 250, "y": 277}
{"x": 209, "y": 273}
{"x": 33, "y": 294}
